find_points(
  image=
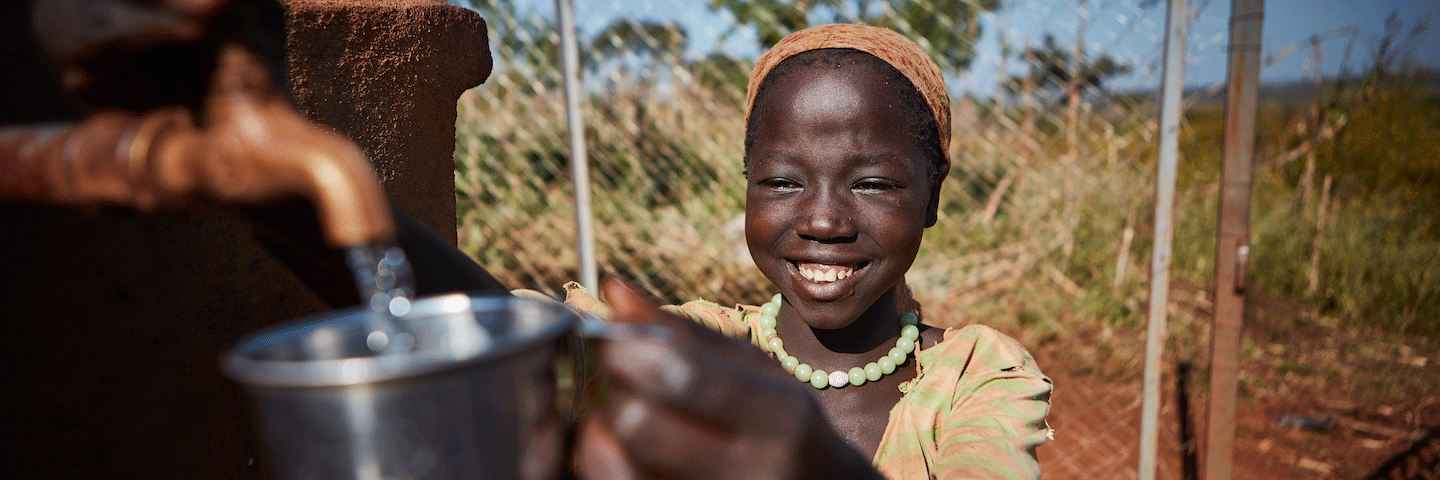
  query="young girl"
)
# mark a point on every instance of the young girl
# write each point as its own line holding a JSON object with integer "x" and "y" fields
{"x": 845, "y": 151}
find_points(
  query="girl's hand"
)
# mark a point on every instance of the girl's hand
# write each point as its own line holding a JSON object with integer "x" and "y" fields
{"x": 700, "y": 405}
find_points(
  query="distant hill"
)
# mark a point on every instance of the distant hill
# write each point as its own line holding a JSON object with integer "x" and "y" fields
{"x": 1293, "y": 91}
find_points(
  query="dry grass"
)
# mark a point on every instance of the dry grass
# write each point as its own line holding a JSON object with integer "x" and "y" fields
{"x": 1044, "y": 232}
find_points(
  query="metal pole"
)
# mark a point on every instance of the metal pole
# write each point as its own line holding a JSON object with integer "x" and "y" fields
{"x": 1171, "y": 87}
{"x": 1233, "y": 244}
{"x": 579, "y": 161}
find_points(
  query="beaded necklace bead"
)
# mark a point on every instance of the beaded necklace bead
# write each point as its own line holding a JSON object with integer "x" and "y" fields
{"x": 857, "y": 376}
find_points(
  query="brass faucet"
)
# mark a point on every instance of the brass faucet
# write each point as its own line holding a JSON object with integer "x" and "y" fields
{"x": 246, "y": 144}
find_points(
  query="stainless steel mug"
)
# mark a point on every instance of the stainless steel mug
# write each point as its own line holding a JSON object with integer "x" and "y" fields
{"x": 477, "y": 394}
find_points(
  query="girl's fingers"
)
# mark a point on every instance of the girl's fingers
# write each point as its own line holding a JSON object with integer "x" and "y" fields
{"x": 714, "y": 387}
{"x": 633, "y": 305}
{"x": 599, "y": 454}
{"x": 699, "y": 400}
{"x": 669, "y": 443}
{"x": 700, "y": 405}
{"x": 698, "y": 371}
{"x": 662, "y": 442}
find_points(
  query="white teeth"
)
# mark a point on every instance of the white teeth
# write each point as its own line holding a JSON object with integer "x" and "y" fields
{"x": 825, "y": 273}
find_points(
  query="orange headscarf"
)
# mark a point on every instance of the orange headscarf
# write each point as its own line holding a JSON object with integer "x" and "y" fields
{"x": 883, "y": 43}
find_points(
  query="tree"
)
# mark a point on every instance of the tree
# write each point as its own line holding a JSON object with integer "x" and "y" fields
{"x": 1052, "y": 67}
{"x": 527, "y": 46}
{"x": 662, "y": 43}
{"x": 722, "y": 73}
{"x": 945, "y": 28}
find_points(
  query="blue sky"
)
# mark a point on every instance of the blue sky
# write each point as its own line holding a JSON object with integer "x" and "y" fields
{"x": 1120, "y": 28}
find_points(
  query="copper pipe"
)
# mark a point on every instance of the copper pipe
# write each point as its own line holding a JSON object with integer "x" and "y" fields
{"x": 253, "y": 147}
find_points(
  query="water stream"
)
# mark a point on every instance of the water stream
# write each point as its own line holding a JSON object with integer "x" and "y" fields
{"x": 387, "y": 286}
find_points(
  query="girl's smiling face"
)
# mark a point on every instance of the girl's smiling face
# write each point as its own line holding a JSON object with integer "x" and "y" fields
{"x": 838, "y": 192}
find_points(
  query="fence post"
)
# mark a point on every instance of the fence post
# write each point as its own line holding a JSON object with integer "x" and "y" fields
{"x": 1171, "y": 89}
{"x": 1233, "y": 243}
{"x": 579, "y": 160}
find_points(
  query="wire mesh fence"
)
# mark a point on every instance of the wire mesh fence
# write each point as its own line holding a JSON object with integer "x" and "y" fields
{"x": 1045, "y": 219}
{"x": 664, "y": 120}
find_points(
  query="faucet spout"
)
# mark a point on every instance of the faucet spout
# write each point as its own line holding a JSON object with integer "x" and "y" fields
{"x": 251, "y": 146}
{"x": 263, "y": 148}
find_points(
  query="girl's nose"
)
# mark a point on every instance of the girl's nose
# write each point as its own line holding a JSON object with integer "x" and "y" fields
{"x": 824, "y": 218}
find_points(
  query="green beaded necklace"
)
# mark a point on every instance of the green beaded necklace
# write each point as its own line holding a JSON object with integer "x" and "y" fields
{"x": 857, "y": 376}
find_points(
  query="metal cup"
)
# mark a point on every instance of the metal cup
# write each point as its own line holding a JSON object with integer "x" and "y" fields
{"x": 476, "y": 396}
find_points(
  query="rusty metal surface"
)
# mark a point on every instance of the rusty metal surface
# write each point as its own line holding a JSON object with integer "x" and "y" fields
{"x": 387, "y": 74}
{"x": 1232, "y": 246}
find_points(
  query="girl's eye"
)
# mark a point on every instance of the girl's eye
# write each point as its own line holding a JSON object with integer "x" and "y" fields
{"x": 874, "y": 185}
{"x": 780, "y": 184}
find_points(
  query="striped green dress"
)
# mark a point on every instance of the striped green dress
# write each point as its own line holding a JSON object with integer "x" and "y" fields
{"x": 975, "y": 410}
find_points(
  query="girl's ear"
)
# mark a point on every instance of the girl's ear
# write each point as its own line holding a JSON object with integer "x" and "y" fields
{"x": 932, "y": 210}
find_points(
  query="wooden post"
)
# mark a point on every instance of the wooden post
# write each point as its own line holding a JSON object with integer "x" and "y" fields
{"x": 1233, "y": 245}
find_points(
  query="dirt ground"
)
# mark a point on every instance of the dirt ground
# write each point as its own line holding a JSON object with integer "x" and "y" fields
{"x": 1317, "y": 400}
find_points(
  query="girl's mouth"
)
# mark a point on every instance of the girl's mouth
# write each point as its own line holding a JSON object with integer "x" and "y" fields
{"x": 825, "y": 273}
